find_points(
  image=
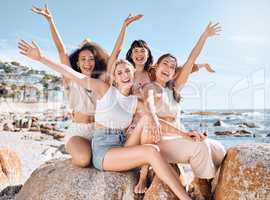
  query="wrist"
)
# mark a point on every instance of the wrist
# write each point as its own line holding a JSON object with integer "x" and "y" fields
{"x": 49, "y": 19}
{"x": 41, "y": 58}
{"x": 153, "y": 116}
{"x": 205, "y": 35}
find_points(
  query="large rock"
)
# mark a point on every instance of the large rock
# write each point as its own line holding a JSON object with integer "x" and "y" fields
{"x": 59, "y": 179}
{"x": 238, "y": 133}
{"x": 219, "y": 123}
{"x": 10, "y": 168}
{"x": 159, "y": 191}
{"x": 245, "y": 173}
{"x": 249, "y": 125}
{"x": 9, "y": 192}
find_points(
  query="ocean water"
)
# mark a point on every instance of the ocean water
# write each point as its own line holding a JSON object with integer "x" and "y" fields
{"x": 232, "y": 120}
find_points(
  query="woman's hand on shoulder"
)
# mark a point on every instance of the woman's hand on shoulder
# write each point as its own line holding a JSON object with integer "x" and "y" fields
{"x": 196, "y": 136}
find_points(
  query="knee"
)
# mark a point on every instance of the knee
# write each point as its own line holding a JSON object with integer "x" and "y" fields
{"x": 72, "y": 142}
{"x": 218, "y": 151}
{"x": 83, "y": 160}
{"x": 151, "y": 151}
{"x": 80, "y": 151}
{"x": 204, "y": 147}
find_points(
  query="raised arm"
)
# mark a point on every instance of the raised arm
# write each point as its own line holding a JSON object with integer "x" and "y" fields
{"x": 33, "y": 51}
{"x": 195, "y": 68}
{"x": 55, "y": 35}
{"x": 119, "y": 42}
{"x": 181, "y": 79}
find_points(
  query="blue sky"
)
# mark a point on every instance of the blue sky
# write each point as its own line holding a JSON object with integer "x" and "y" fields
{"x": 239, "y": 55}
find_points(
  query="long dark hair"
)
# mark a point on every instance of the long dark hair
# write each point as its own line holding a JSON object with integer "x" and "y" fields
{"x": 142, "y": 44}
{"x": 170, "y": 84}
{"x": 100, "y": 55}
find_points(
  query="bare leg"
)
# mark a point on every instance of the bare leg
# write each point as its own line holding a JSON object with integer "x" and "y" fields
{"x": 141, "y": 185}
{"x": 80, "y": 150}
{"x": 138, "y": 135}
{"x": 126, "y": 158}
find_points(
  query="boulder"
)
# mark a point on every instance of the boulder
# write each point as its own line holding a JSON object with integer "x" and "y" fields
{"x": 200, "y": 189}
{"x": 10, "y": 168}
{"x": 59, "y": 179}
{"x": 50, "y": 130}
{"x": 8, "y": 127}
{"x": 245, "y": 173}
{"x": 159, "y": 191}
{"x": 242, "y": 133}
{"x": 238, "y": 133}
{"x": 227, "y": 133}
{"x": 9, "y": 192}
{"x": 219, "y": 123}
{"x": 249, "y": 125}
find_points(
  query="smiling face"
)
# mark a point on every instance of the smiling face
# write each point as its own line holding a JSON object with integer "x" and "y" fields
{"x": 139, "y": 56}
{"x": 124, "y": 75}
{"x": 86, "y": 62}
{"x": 165, "y": 69}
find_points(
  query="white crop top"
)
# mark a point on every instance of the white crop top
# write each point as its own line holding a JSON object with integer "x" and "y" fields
{"x": 80, "y": 99}
{"x": 115, "y": 110}
{"x": 169, "y": 105}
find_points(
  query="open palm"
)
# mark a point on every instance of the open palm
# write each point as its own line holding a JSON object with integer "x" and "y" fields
{"x": 213, "y": 29}
{"x": 131, "y": 19}
{"x": 42, "y": 11}
{"x": 30, "y": 50}
{"x": 208, "y": 67}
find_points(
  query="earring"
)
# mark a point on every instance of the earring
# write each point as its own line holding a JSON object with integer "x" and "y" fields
{"x": 114, "y": 83}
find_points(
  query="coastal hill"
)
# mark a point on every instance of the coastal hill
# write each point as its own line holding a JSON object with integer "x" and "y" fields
{"x": 20, "y": 83}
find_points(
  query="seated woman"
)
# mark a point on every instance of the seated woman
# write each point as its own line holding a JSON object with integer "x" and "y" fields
{"x": 114, "y": 102}
{"x": 91, "y": 60}
{"x": 141, "y": 57}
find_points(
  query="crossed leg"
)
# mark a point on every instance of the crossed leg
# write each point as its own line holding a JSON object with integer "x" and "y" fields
{"x": 126, "y": 158}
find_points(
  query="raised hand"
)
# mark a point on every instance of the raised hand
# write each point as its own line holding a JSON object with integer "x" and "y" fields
{"x": 30, "y": 50}
{"x": 85, "y": 42}
{"x": 42, "y": 11}
{"x": 131, "y": 19}
{"x": 212, "y": 29}
{"x": 208, "y": 67}
{"x": 195, "y": 136}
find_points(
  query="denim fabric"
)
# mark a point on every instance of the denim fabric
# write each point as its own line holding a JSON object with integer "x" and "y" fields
{"x": 104, "y": 140}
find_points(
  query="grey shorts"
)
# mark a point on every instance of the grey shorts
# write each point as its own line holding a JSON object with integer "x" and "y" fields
{"x": 103, "y": 140}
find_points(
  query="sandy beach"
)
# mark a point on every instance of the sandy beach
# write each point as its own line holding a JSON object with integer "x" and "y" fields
{"x": 33, "y": 148}
{"x": 19, "y": 107}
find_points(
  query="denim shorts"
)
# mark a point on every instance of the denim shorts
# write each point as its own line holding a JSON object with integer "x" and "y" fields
{"x": 103, "y": 140}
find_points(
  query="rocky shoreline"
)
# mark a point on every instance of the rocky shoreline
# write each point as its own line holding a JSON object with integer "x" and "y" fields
{"x": 243, "y": 175}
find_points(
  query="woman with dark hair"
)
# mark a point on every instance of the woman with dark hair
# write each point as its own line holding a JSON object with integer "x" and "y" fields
{"x": 168, "y": 107}
{"x": 90, "y": 60}
{"x": 139, "y": 54}
{"x": 140, "y": 46}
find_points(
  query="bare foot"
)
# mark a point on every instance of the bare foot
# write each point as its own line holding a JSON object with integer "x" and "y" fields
{"x": 141, "y": 188}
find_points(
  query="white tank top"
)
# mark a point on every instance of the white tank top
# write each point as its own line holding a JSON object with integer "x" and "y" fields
{"x": 80, "y": 99}
{"x": 115, "y": 110}
{"x": 169, "y": 105}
